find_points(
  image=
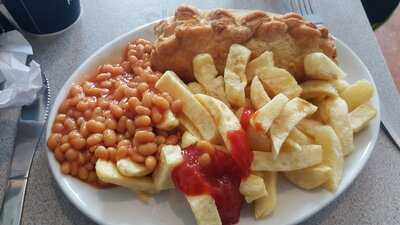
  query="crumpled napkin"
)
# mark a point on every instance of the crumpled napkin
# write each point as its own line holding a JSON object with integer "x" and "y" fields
{"x": 20, "y": 82}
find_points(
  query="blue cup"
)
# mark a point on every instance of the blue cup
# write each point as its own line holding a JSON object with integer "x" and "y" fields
{"x": 43, "y": 16}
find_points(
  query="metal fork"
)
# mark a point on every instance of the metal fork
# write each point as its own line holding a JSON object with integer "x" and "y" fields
{"x": 304, "y": 7}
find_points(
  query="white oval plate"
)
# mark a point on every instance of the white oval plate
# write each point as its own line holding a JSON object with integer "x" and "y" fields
{"x": 120, "y": 206}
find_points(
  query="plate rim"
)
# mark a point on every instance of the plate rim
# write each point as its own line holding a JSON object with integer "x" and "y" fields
{"x": 77, "y": 73}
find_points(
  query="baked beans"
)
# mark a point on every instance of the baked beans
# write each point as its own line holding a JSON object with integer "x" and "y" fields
{"x": 113, "y": 115}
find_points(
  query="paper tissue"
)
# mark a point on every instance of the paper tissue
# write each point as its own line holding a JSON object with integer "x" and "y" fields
{"x": 19, "y": 82}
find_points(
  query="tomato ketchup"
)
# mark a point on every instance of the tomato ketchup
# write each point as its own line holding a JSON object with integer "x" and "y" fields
{"x": 245, "y": 117}
{"x": 220, "y": 178}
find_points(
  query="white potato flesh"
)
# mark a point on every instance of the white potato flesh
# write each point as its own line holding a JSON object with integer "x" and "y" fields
{"x": 107, "y": 172}
{"x": 235, "y": 74}
{"x": 310, "y": 155}
{"x": 333, "y": 154}
{"x": 309, "y": 178}
{"x": 335, "y": 109}
{"x": 204, "y": 68}
{"x": 300, "y": 137}
{"x": 258, "y": 95}
{"x": 224, "y": 118}
{"x": 196, "y": 88}
{"x": 187, "y": 125}
{"x": 169, "y": 121}
{"x": 191, "y": 107}
{"x": 319, "y": 66}
{"x": 204, "y": 209}
{"x": 317, "y": 89}
{"x": 188, "y": 139}
{"x": 252, "y": 188}
{"x": 360, "y": 117}
{"x": 263, "y": 118}
{"x": 264, "y": 60}
{"x": 277, "y": 80}
{"x": 206, "y": 74}
{"x": 265, "y": 205}
{"x": 170, "y": 157}
{"x": 358, "y": 93}
{"x": 340, "y": 85}
{"x": 292, "y": 113}
{"x": 129, "y": 168}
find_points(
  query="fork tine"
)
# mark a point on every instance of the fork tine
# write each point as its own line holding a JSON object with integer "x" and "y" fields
{"x": 292, "y": 5}
{"x": 305, "y": 7}
{"x": 308, "y": 6}
{"x": 299, "y": 8}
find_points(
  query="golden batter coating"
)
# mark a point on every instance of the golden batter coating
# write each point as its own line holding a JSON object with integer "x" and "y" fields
{"x": 192, "y": 31}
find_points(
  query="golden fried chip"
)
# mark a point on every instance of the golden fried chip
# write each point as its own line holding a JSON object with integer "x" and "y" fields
{"x": 358, "y": 93}
{"x": 277, "y": 80}
{"x": 258, "y": 95}
{"x": 235, "y": 74}
{"x": 266, "y": 59}
{"x": 309, "y": 178}
{"x": 292, "y": 113}
{"x": 319, "y": 66}
{"x": 265, "y": 205}
{"x": 360, "y": 116}
{"x": 310, "y": 155}
{"x": 335, "y": 109}
{"x": 192, "y": 108}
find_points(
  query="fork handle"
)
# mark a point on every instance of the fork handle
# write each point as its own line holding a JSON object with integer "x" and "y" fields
{"x": 13, "y": 202}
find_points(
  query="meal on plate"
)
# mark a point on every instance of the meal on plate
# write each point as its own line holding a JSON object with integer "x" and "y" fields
{"x": 219, "y": 106}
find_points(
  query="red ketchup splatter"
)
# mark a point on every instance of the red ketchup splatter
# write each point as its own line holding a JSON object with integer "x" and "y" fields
{"x": 245, "y": 118}
{"x": 220, "y": 178}
{"x": 241, "y": 152}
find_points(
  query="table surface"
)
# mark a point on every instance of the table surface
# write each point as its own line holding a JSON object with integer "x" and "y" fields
{"x": 373, "y": 198}
{"x": 388, "y": 36}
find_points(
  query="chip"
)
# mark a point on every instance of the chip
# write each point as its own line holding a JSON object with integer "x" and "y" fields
{"x": 188, "y": 139}
{"x": 168, "y": 122}
{"x": 310, "y": 155}
{"x": 196, "y": 88}
{"x": 191, "y": 108}
{"x": 263, "y": 118}
{"x": 277, "y": 80}
{"x": 264, "y": 60}
{"x": 309, "y": 178}
{"x": 333, "y": 154}
{"x": 358, "y": 93}
{"x": 300, "y": 137}
{"x": 265, "y": 205}
{"x": 107, "y": 172}
{"x": 339, "y": 84}
{"x": 252, "y": 188}
{"x": 204, "y": 209}
{"x": 224, "y": 118}
{"x": 206, "y": 74}
{"x": 317, "y": 89}
{"x": 258, "y": 140}
{"x": 258, "y": 95}
{"x": 292, "y": 113}
{"x": 335, "y": 109}
{"x": 204, "y": 68}
{"x": 360, "y": 117}
{"x": 235, "y": 74}
{"x": 319, "y": 66}
{"x": 129, "y": 168}
{"x": 170, "y": 156}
